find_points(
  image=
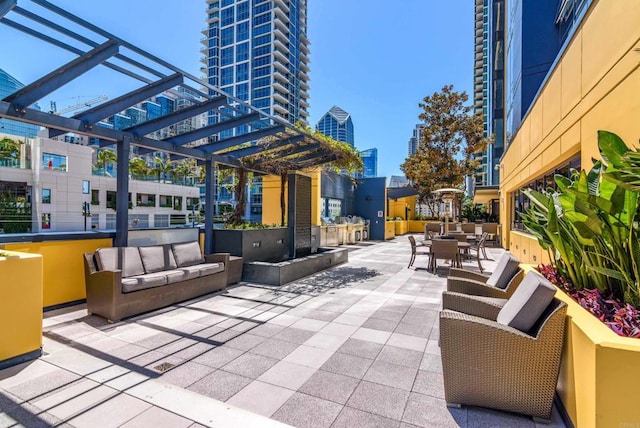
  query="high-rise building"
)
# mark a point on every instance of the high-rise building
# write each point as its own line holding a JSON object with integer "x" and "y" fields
{"x": 258, "y": 52}
{"x": 489, "y": 88}
{"x": 370, "y": 163}
{"x": 9, "y": 85}
{"x": 414, "y": 141}
{"x": 337, "y": 124}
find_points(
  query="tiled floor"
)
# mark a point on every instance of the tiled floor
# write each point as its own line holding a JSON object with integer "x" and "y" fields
{"x": 354, "y": 346}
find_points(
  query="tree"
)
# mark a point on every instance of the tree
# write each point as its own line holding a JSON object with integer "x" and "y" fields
{"x": 104, "y": 158}
{"x": 138, "y": 167}
{"x": 162, "y": 168}
{"x": 185, "y": 169}
{"x": 9, "y": 149}
{"x": 451, "y": 135}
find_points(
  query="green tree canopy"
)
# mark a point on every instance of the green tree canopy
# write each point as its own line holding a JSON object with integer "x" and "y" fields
{"x": 450, "y": 137}
{"x": 105, "y": 157}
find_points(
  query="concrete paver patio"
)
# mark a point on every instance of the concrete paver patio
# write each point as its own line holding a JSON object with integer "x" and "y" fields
{"x": 353, "y": 346}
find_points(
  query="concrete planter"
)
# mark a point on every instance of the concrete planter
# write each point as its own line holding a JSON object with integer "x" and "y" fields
{"x": 599, "y": 373}
{"x": 266, "y": 245}
{"x": 20, "y": 307}
{"x": 416, "y": 226}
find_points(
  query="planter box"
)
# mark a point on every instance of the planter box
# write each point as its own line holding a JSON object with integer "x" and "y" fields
{"x": 20, "y": 307}
{"x": 284, "y": 272}
{"x": 329, "y": 236}
{"x": 401, "y": 227}
{"x": 600, "y": 372}
{"x": 266, "y": 245}
{"x": 416, "y": 226}
{"x": 389, "y": 230}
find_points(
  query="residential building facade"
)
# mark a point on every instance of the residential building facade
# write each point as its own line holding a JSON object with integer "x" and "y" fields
{"x": 257, "y": 51}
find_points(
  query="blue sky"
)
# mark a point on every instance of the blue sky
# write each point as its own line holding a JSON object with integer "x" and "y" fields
{"x": 374, "y": 58}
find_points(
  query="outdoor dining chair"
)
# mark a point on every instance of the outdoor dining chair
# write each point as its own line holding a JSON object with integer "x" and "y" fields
{"x": 415, "y": 251}
{"x": 480, "y": 250}
{"x": 444, "y": 249}
{"x": 503, "y": 354}
{"x": 502, "y": 283}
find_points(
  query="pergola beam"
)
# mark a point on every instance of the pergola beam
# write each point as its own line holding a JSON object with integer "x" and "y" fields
{"x": 188, "y": 137}
{"x": 6, "y": 6}
{"x": 61, "y": 76}
{"x": 176, "y": 116}
{"x": 244, "y": 138}
{"x": 105, "y": 135}
{"x": 125, "y": 101}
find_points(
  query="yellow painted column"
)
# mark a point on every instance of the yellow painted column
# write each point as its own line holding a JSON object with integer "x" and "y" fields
{"x": 20, "y": 304}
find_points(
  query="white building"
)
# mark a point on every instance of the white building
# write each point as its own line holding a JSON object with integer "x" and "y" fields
{"x": 58, "y": 179}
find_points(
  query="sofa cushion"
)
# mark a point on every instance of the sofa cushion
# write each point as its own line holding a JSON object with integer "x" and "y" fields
{"x": 108, "y": 259}
{"x": 157, "y": 258}
{"x": 187, "y": 254}
{"x": 210, "y": 268}
{"x": 175, "y": 275}
{"x": 190, "y": 272}
{"x": 527, "y": 303}
{"x": 142, "y": 282}
{"x": 508, "y": 266}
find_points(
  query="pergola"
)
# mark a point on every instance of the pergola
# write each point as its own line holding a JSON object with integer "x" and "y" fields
{"x": 96, "y": 47}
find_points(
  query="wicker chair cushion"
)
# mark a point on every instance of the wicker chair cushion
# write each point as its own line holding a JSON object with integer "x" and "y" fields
{"x": 506, "y": 269}
{"x": 187, "y": 254}
{"x": 108, "y": 259}
{"x": 527, "y": 303}
{"x": 157, "y": 258}
{"x": 210, "y": 268}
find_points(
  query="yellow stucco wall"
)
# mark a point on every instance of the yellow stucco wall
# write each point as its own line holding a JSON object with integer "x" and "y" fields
{"x": 271, "y": 198}
{"x": 389, "y": 229}
{"x": 398, "y": 208}
{"x": 20, "y": 305}
{"x": 593, "y": 87}
{"x": 63, "y": 269}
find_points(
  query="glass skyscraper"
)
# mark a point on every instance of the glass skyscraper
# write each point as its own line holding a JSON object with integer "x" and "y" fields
{"x": 257, "y": 51}
{"x": 337, "y": 124}
{"x": 489, "y": 88}
{"x": 370, "y": 163}
{"x": 414, "y": 141}
{"x": 9, "y": 85}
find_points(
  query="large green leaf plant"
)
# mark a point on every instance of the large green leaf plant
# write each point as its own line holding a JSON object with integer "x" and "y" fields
{"x": 590, "y": 224}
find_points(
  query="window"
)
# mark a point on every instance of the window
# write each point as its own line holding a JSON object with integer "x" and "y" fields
{"x": 262, "y": 71}
{"x": 95, "y": 197}
{"x": 242, "y": 91}
{"x": 111, "y": 201}
{"x": 545, "y": 182}
{"x": 145, "y": 200}
{"x": 161, "y": 220}
{"x": 46, "y": 196}
{"x": 242, "y": 11}
{"x": 262, "y": 50}
{"x": 177, "y": 203}
{"x": 54, "y": 162}
{"x": 226, "y": 17}
{"x": 242, "y": 72}
{"x": 226, "y": 2}
{"x": 257, "y": 10}
{"x": 46, "y": 221}
{"x": 242, "y": 52}
{"x": 263, "y": 29}
{"x": 265, "y": 60}
{"x": 242, "y": 31}
{"x": 262, "y": 92}
{"x": 226, "y": 56}
{"x": 192, "y": 203}
{"x": 261, "y": 19}
{"x": 226, "y": 36}
{"x": 262, "y": 40}
{"x": 166, "y": 201}
{"x": 86, "y": 187}
{"x": 226, "y": 77}
{"x": 263, "y": 81}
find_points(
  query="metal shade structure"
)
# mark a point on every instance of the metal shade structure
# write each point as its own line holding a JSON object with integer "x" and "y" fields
{"x": 94, "y": 47}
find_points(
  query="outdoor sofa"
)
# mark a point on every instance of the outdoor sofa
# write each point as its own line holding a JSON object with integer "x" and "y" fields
{"x": 126, "y": 281}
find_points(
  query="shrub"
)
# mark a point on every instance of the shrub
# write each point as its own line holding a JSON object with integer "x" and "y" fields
{"x": 590, "y": 225}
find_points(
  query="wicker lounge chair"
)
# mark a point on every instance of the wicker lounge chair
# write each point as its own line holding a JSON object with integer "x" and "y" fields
{"x": 503, "y": 354}
{"x": 502, "y": 283}
{"x": 446, "y": 249}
